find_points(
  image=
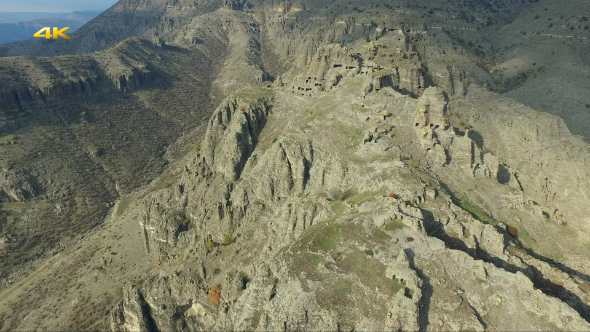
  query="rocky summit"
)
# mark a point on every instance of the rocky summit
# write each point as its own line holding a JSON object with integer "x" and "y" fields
{"x": 253, "y": 165}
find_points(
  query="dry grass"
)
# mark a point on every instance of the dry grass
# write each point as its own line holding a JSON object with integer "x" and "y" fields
{"x": 214, "y": 295}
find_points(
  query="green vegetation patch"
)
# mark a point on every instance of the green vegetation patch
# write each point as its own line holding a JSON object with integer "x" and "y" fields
{"x": 122, "y": 206}
{"x": 256, "y": 93}
{"x": 364, "y": 197}
{"x": 359, "y": 270}
{"x": 314, "y": 116}
{"x": 338, "y": 207}
{"x": 328, "y": 254}
{"x": 7, "y": 138}
{"x": 327, "y": 238}
{"x": 360, "y": 108}
{"x": 556, "y": 255}
{"x": 348, "y": 194}
{"x": 394, "y": 225}
{"x": 523, "y": 235}
{"x": 15, "y": 209}
{"x": 370, "y": 271}
{"x": 422, "y": 174}
{"x": 335, "y": 293}
{"x": 313, "y": 112}
{"x": 228, "y": 239}
{"x": 474, "y": 211}
{"x": 352, "y": 133}
{"x": 315, "y": 258}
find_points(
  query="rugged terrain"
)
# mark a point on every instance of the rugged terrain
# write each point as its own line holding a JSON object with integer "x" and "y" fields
{"x": 291, "y": 166}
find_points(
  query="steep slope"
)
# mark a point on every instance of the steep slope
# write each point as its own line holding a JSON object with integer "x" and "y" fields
{"x": 548, "y": 65}
{"x": 375, "y": 201}
{"x": 479, "y": 37}
{"x": 505, "y": 45}
{"x": 539, "y": 57}
{"x": 78, "y": 132}
{"x": 377, "y": 184}
{"x": 286, "y": 219}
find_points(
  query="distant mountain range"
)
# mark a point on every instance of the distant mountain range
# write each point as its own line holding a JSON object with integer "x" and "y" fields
{"x": 19, "y": 26}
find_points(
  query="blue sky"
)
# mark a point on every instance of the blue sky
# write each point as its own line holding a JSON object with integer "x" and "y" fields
{"x": 53, "y": 5}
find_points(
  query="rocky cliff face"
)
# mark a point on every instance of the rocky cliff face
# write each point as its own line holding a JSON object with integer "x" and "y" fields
{"x": 33, "y": 83}
{"x": 311, "y": 252}
{"x": 232, "y": 135}
{"x": 17, "y": 186}
{"x": 296, "y": 227}
{"x": 371, "y": 187}
{"x": 291, "y": 231}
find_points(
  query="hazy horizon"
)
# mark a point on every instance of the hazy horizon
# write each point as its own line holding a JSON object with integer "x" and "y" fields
{"x": 43, "y": 6}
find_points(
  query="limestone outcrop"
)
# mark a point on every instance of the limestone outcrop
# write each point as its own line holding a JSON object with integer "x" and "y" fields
{"x": 424, "y": 249}
{"x": 387, "y": 62}
{"x": 372, "y": 186}
{"x": 431, "y": 116}
{"x": 450, "y": 78}
{"x": 232, "y": 135}
{"x": 131, "y": 313}
{"x": 17, "y": 186}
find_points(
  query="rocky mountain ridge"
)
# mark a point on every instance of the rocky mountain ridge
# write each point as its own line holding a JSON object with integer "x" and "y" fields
{"x": 376, "y": 184}
{"x": 290, "y": 190}
{"x": 60, "y": 78}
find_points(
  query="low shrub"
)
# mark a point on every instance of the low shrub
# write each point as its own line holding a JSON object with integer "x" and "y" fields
{"x": 227, "y": 240}
{"x": 215, "y": 295}
{"x": 512, "y": 230}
